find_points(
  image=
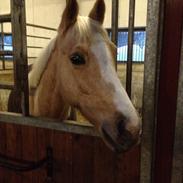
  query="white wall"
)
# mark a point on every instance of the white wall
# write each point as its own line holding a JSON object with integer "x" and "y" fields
{"x": 140, "y": 12}
{"x": 48, "y": 13}
{"x": 4, "y": 6}
{"x": 5, "y": 9}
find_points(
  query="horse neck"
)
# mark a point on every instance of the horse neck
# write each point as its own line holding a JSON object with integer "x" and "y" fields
{"x": 48, "y": 101}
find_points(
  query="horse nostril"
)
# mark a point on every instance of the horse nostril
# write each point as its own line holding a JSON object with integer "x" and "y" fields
{"x": 121, "y": 127}
{"x": 124, "y": 136}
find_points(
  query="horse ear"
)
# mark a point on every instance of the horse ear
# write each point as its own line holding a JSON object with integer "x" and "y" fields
{"x": 98, "y": 11}
{"x": 69, "y": 16}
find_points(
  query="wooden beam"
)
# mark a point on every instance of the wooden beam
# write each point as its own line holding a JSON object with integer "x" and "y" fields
{"x": 7, "y": 86}
{"x": 5, "y": 18}
{"x": 65, "y": 126}
{"x": 5, "y": 53}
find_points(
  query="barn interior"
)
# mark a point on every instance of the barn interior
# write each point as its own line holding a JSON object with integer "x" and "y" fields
{"x": 72, "y": 151}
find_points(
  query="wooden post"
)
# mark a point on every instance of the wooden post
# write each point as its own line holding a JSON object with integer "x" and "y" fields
{"x": 20, "y": 51}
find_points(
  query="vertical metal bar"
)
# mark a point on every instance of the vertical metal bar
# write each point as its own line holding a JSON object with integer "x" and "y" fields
{"x": 2, "y": 39}
{"x": 20, "y": 51}
{"x": 154, "y": 28}
{"x": 177, "y": 172}
{"x": 114, "y": 25}
{"x": 131, "y": 20}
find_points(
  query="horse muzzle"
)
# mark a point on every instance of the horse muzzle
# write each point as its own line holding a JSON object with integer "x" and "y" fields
{"x": 119, "y": 138}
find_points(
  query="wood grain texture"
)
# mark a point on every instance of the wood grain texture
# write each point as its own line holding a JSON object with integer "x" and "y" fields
{"x": 44, "y": 140}
{"x": 82, "y": 153}
{"x": 13, "y": 149}
{"x": 128, "y": 166}
{"x": 104, "y": 163}
{"x": 29, "y": 151}
{"x": 62, "y": 144}
{"x": 2, "y": 150}
{"x": 77, "y": 158}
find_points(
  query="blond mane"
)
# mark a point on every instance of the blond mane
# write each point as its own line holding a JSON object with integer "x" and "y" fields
{"x": 40, "y": 64}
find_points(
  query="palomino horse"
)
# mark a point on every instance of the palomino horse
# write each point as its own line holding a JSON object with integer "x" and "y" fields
{"x": 76, "y": 69}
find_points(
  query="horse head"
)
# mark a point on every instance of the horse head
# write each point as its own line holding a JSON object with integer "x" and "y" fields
{"x": 88, "y": 79}
{"x": 80, "y": 73}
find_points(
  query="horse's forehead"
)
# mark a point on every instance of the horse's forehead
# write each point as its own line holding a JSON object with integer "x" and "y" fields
{"x": 101, "y": 51}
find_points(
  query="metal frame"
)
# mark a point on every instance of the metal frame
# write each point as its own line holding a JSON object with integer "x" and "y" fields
{"x": 131, "y": 20}
{"x": 125, "y": 29}
{"x": 2, "y": 40}
{"x": 114, "y": 25}
{"x": 151, "y": 75}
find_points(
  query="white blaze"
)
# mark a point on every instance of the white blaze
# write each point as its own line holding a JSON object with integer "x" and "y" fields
{"x": 109, "y": 75}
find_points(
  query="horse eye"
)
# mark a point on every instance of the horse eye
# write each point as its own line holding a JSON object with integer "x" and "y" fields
{"x": 77, "y": 59}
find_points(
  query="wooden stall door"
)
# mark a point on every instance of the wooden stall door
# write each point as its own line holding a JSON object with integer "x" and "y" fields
{"x": 77, "y": 158}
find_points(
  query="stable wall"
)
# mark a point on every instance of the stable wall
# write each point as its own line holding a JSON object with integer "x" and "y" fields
{"x": 48, "y": 13}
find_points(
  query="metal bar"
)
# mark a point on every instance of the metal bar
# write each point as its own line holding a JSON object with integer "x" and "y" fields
{"x": 177, "y": 174}
{"x": 35, "y": 47}
{"x": 130, "y": 46}
{"x": 6, "y": 53}
{"x": 2, "y": 46}
{"x": 5, "y": 18}
{"x": 39, "y": 37}
{"x": 65, "y": 126}
{"x": 155, "y": 14}
{"x": 126, "y": 29}
{"x": 32, "y": 57}
{"x": 7, "y": 69}
{"x": 114, "y": 25}
{"x": 7, "y": 86}
{"x": 6, "y": 44}
{"x": 41, "y": 27}
{"x": 20, "y": 51}
{"x": 7, "y": 33}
